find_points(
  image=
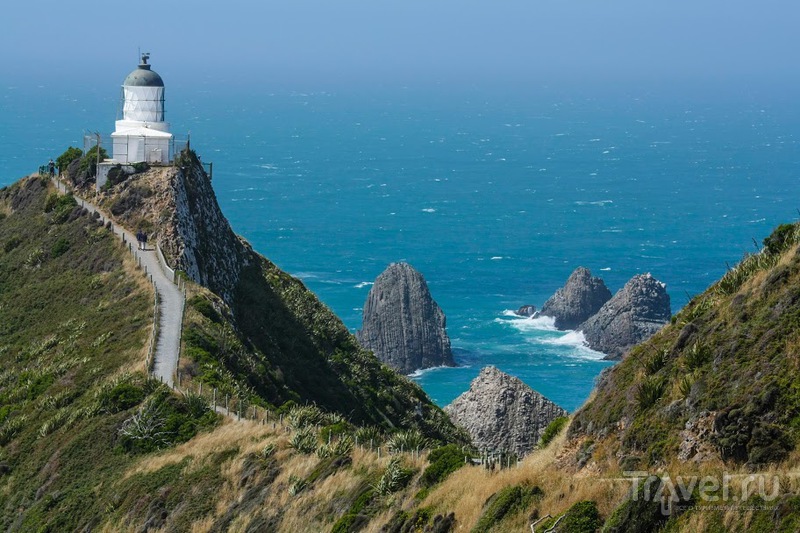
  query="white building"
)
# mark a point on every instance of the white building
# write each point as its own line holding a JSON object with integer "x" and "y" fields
{"x": 142, "y": 134}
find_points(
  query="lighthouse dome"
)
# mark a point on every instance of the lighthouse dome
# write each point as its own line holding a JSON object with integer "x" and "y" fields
{"x": 143, "y": 76}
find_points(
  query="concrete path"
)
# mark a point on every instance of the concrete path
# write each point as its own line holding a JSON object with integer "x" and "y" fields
{"x": 170, "y": 298}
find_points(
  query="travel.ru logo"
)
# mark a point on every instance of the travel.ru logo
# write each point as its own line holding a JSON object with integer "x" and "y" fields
{"x": 722, "y": 491}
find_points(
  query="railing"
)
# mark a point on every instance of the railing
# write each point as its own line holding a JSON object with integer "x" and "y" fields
{"x": 148, "y": 365}
{"x": 163, "y": 261}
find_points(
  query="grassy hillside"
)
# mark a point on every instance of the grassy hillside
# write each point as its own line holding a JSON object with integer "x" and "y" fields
{"x": 717, "y": 390}
{"x": 88, "y": 442}
{"x": 75, "y": 318}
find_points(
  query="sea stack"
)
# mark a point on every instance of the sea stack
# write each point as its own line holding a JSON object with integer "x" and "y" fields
{"x": 633, "y": 315}
{"x": 402, "y": 323}
{"x": 581, "y": 297}
{"x": 501, "y": 413}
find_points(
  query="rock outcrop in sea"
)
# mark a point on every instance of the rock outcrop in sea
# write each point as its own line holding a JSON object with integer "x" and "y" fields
{"x": 501, "y": 413}
{"x": 635, "y": 313}
{"x": 527, "y": 311}
{"x": 402, "y": 324}
{"x": 581, "y": 297}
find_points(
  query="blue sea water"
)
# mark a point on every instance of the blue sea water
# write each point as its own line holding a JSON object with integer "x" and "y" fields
{"x": 494, "y": 195}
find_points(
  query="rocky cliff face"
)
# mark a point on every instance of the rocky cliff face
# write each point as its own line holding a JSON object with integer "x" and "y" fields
{"x": 199, "y": 238}
{"x": 581, "y": 297}
{"x": 177, "y": 208}
{"x": 500, "y": 412}
{"x": 633, "y": 315}
{"x": 402, "y": 324}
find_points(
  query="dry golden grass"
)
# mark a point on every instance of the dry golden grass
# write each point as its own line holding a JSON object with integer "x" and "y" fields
{"x": 203, "y": 526}
{"x": 230, "y": 435}
{"x": 313, "y": 509}
{"x": 464, "y": 492}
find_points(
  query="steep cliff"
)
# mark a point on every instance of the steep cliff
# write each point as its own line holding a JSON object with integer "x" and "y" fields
{"x": 500, "y": 412}
{"x": 581, "y": 297}
{"x": 288, "y": 345}
{"x": 402, "y": 323}
{"x": 637, "y": 311}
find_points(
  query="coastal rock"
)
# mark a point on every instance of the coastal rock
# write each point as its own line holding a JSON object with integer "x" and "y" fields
{"x": 527, "y": 311}
{"x": 581, "y": 297}
{"x": 402, "y": 324}
{"x": 633, "y": 315}
{"x": 500, "y": 412}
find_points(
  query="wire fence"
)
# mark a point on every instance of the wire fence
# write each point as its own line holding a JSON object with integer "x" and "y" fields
{"x": 144, "y": 145}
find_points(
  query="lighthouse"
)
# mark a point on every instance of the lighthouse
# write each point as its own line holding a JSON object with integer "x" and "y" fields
{"x": 142, "y": 134}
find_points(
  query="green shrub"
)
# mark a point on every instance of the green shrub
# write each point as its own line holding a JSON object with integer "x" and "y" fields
{"x": 296, "y": 485}
{"x": 696, "y": 356}
{"x": 507, "y": 501}
{"x": 69, "y": 155}
{"x": 583, "y": 517}
{"x": 302, "y": 416}
{"x": 140, "y": 167}
{"x": 304, "y": 440}
{"x": 11, "y": 243}
{"x": 337, "y": 448}
{"x": 369, "y": 435}
{"x": 649, "y": 391}
{"x": 639, "y": 513}
{"x": 163, "y": 420}
{"x": 357, "y": 514}
{"x": 203, "y": 306}
{"x": 61, "y": 205}
{"x": 121, "y": 397}
{"x": 11, "y": 429}
{"x": 60, "y": 247}
{"x": 443, "y": 462}
{"x": 334, "y": 431}
{"x": 655, "y": 362}
{"x": 685, "y": 384}
{"x": 394, "y": 478}
{"x": 116, "y": 175}
{"x": 780, "y": 239}
{"x": 88, "y": 163}
{"x": 407, "y": 441}
{"x": 552, "y": 429}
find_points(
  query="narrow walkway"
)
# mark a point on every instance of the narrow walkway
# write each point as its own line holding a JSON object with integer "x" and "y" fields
{"x": 170, "y": 298}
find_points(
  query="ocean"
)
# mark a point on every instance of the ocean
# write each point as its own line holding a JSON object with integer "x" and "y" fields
{"x": 495, "y": 195}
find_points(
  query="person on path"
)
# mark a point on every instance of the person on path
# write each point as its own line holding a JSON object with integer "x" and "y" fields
{"x": 51, "y": 167}
{"x": 139, "y": 239}
{"x": 144, "y": 241}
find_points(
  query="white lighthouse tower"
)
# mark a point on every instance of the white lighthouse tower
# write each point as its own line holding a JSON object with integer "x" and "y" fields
{"x": 142, "y": 134}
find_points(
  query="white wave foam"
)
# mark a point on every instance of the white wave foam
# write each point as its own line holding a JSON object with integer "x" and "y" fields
{"x": 601, "y": 203}
{"x": 429, "y": 210}
{"x": 497, "y": 258}
{"x": 523, "y": 323}
{"x": 570, "y": 338}
{"x": 421, "y": 372}
{"x": 606, "y": 269}
{"x": 364, "y": 284}
{"x": 576, "y": 340}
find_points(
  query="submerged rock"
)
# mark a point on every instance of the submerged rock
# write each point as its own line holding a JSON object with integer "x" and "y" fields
{"x": 581, "y": 297}
{"x": 633, "y": 315}
{"x": 402, "y": 324}
{"x": 500, "y": 412}
{"x": 528, "y": 311}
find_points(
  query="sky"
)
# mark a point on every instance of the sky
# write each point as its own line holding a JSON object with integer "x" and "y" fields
{"x": 318, "y": 43}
